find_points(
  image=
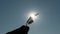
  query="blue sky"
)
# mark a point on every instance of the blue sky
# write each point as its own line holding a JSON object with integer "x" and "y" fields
{"x": 13, "y": 15}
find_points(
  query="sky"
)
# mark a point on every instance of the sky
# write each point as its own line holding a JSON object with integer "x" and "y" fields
{"x": 13, "y": 14}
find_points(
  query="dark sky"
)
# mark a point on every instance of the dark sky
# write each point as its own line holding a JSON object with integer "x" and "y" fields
{"x": 13, "y": 15}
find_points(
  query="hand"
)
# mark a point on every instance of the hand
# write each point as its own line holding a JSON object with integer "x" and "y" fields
{"x": 22, "y": 30}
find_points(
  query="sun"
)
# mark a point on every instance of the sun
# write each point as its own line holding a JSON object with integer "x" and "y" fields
{"x": 33, "y": 15}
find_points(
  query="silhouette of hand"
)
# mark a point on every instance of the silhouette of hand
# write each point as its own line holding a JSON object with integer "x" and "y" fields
{"x": 22, "y": 30}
